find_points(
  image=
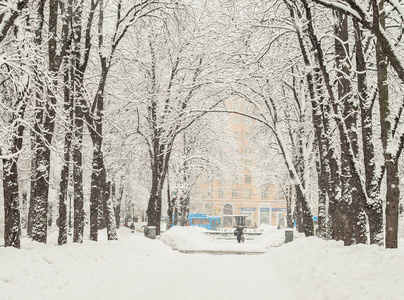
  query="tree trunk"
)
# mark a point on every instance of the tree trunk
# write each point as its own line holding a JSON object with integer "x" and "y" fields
{"x": 37, "y": 148}
{"x": 289, "y": 215}
{"x": 184, "y": 210}
{"x": 392, "y": 178}
{"x": 155, "y": 201}
{"x": 62, "y": 221}
{"x": 78, "y": 173}
{"x": 322, "y": 202}
{"x": 30, "y": 219}
{"x": 347, "y": 134}
{"x": 45, "y": 121}
{"x": 118, "y": 207}
{"x": 95, "y": 126}
{"x": 33, "y": 135}
{"x": 77, "y": 149}
{"x": 12, "y": 225}
{"x": 171, "y": 204}
{"x": 392, "y": 202}
{"x": 331, "y": 169}
{"x": 328, "y": 167}
{"x": 24, "y": 215}
{"x": 41, "y": 191}
{"x": 353, "y": 199}
{"x": 109, "y": 211}
{"x": 307, "y": 217}
{"x": 95, "y": 189}
{"x": 64, "y": 176}
{"x": 159, "y": 167}
{"x": 176, "y": 213}
{"x": 298, "y": 216}
{"x": 374, "y": 205}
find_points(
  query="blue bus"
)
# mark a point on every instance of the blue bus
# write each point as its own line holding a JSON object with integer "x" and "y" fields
{"x": 203, "y": 220}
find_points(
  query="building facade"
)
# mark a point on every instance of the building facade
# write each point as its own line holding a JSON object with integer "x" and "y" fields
{"x": 242, "y": 196}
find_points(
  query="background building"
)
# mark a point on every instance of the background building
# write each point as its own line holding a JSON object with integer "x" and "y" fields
{"x": 242, "y": 195}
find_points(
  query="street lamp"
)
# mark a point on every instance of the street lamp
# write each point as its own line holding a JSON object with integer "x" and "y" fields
{"x": 70, "y": 214}
{"x": 132, "y": 226}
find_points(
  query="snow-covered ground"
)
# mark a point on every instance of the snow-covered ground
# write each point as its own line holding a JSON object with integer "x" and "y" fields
{"x": 138, "y": 268}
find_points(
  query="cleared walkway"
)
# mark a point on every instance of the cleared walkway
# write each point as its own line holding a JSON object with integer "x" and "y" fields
{"x": 221, "y": 252}
{"x": 226, "y": 247}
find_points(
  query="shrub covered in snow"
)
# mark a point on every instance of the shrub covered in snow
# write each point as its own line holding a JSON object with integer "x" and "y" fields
{"x": 185, "y": 237}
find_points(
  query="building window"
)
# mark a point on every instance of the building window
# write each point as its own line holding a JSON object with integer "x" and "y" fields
{"x": 281, "y": 219}
{"x": 264, "y": 194}
{"x": 247, "y": 178}
{"x": 227, "y": 209}
{"x": 236, "y": 106}
{"x": 210, "y": 193}
{"x": 227, "y": 212}
{"x": 236, "y": 120}
{"x": 236, "y": 135}
{"x": 265, "y": 217}
{"x": 247, "y": 164}
{"x": 247, "y": 194}
{"x": 208, "y": 208}
{"x": 247, "y": 150}
{"x": 221, "y": 193}
{"x": 234, "y": 180}
{"x": 234, "y": 193}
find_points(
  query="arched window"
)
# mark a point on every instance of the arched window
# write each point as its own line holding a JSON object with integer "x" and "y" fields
{"x": 227, "y": 209}
{"x": 227, "y": 215}
{"x": 265, "y": 214}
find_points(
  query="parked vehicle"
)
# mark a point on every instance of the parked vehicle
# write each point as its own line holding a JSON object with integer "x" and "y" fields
{"x": 203, "y": 220}
{"x": 232, "y": 221}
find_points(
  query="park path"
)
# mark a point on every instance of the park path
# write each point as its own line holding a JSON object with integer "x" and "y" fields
{"x": 227, "y": 247}
{"x": 175, "y": 277}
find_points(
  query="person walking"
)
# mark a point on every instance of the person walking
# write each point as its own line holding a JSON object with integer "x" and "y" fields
{"x": 239, "y": 232}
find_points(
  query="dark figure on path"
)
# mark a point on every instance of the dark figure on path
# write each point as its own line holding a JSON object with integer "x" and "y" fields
{"x": 239, "y": 233}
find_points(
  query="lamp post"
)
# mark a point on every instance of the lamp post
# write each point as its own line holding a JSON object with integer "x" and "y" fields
{"x": 70, "y": 214}
{"x": 133, "y": 211}
{"x": 132, "y": 226}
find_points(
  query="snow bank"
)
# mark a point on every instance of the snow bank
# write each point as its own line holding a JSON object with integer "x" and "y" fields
{"x": 338, "y": 272}
{"x": 266, "y": 227}
{"x": 185, "y": 238}
{"x": 194, "y": 238}
{"x": 272, "y": 237}
{"x": 45, "y": 271}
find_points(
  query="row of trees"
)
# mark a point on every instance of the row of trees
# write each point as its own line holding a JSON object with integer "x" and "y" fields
{"x": 46, "y": 54}
{"x": 130, "y": 72}
{"x": 324, "y": 79}
{"x": 146, "y": 78}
